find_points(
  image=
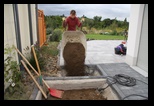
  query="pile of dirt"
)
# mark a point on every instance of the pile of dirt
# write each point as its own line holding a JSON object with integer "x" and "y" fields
{"x": 83, "y": 94}
{"x": 74, "y": 57}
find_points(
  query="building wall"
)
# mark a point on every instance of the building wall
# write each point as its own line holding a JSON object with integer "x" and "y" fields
{"x": 24, "y": 28}
{"x": 134, "y": 33}
{"x": 33, "y": 14}
{"x": 9, "y": 28}
{"x": 9, "y": 33}
{"x": 142, "y": 60}
{"x": 136, "y": 14}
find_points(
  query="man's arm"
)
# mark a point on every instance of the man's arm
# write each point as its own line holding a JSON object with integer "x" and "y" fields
{"x": 64, "y": 23}
{"x": 121, "y": 47}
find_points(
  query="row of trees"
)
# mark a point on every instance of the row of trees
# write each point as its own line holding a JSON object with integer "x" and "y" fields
{"x": 53, "y": 22}
{"x": 106, "y": 23}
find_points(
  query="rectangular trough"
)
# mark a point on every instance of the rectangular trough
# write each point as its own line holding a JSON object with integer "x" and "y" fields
{"x": 77, "y": 83}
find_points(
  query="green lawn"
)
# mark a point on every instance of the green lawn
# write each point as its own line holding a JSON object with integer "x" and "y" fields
{"x": 104, "y": 37}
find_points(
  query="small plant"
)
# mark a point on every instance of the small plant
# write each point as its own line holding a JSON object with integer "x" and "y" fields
{"x": 39, "y": 56}
{"x": 12, "y": 72}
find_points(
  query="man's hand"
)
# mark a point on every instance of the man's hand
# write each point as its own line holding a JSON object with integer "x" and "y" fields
{"x": 63, "y": 18}
{"x": 82, "y": 19}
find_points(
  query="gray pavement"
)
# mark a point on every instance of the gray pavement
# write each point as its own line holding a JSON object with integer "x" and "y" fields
{"x": 100, "y": 51}
{"x": 111, "y": 69}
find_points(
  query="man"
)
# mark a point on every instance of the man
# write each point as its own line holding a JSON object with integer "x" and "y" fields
{"x": 120, "y": 49}
{"x": 72, "y": 21}
{"x": 125, "y": 35}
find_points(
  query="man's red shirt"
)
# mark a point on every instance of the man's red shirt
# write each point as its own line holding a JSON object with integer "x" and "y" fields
{"x": 71, "y": 23}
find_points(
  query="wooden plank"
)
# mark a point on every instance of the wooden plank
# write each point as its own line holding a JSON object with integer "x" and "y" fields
{"x": 42, "y": 28}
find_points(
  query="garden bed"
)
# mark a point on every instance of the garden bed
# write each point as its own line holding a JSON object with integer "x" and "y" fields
{"x": 53, "y": 74}
{"x": 25, "y": 87}
{"x": 79, "y": 88}
{"x": 83, "y": 94}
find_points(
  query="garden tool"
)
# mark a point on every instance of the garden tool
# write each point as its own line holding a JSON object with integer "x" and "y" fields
{"x": 34, "y": 79}
{"x": 53, "y": 92}
{"x": 40, "y": 76}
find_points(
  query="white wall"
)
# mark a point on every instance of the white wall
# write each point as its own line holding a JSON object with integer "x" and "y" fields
{"x": 142, "y": 60}
{"x": 9, "y": 32}
{"x": 9, "y": 28}
{"x": 34, "y": 28}
{"x": 24, "y": 27}
{"x": 136, "y": 16}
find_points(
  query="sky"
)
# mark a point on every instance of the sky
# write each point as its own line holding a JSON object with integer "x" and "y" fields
{"x": 118, "y": 11}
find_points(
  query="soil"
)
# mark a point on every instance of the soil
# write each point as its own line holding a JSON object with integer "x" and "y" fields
{"x": 51, "y": 68}
{"x": 74, "y": 56}
{"x": 83, "y": 94}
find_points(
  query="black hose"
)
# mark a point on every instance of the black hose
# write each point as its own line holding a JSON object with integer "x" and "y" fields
{"x": 124, "y": 80}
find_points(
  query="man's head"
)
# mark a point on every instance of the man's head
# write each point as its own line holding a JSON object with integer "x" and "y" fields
{"x": 73, "y": 13}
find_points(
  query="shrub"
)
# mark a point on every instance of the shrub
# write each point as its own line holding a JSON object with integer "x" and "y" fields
{"x": 12, "y": 72}
{"x": 114, "y": 32}
{"x": 48, "y": 31}
{"x": 56, "y": 35}
{"x": 39, "y": 56}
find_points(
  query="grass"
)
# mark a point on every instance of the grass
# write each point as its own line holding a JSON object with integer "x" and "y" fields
{"x": 104, "y": 37}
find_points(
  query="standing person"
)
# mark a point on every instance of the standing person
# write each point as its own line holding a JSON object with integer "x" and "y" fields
{"x": 71, "y": 21}
{"x": 125, "y": 35}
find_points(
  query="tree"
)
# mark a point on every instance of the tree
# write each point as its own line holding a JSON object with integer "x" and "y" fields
{"x": 53, "y": 22}
{"x": 106, "y": 22}
{"x": 91, "y": 24}
{"x": 88, "y": 23}
{"x": 125, "y": 20}
{"x": 125, "y": 23}
{"x": 97, "y": 21}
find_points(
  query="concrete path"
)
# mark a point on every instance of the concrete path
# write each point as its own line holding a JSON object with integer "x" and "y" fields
{"x": 100, "y": 51}
{"x": 111, "y": 69}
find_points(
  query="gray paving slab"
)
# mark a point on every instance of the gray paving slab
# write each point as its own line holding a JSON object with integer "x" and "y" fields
{"x": 100, "y": 51}
{"x": 111, "y": 69}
